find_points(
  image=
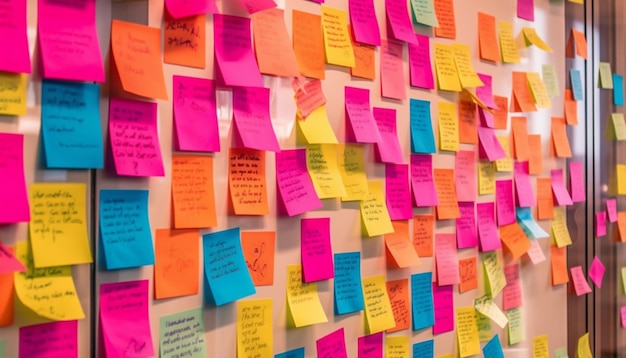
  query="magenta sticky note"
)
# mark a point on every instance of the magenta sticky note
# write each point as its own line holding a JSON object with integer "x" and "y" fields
{"x": 234, "y": 59}
{"x": 581, "y": 286}
{"x": 364, "y": 23}
{"x": 195, "y": 115}
{"x": 296, "y": 194}
{"x": 185, "y": 8}
{"x": 561, "y": 196}
{"x": 465, "y": 175}
{"x": 360, "y": 123}
{"x": 512, "y": 292}
{"x": 13, "y": 21}
{"x": 68, "y": 40}
{"x": 490, "y": 147}
{"x": 524, "y": 195}
{"x": 125, "y": 304}
{"x": 392, "y": 70}
{"x": 443, "y": 303}
{"x": 133, "y": 138}
{"x": 316, "y": 252}
{"x": 397, "y": 192}
{"x": 49, "y": 340}
{"x": 422, "y": 182}
{"x": 13, "y": 191}
{"x": 485, "y": 92}
{"x": 251, "y": 114}
{"x": 596, "y": 272}
{"x": 487, "y": 229}
{"x": 611, "y": 209}
{"x": 504, "y": 202}
{"x": 388, "y": 149}
{"x": 466, "y": 233}
{"x": 370, "y": 346}
{"x": 332, "y": 345}
{"x": 486, "y": 118}
{"x": 526, "y": 9}
{"x": 600, "y": 224}
{"x": 8, "y": 262}
{"x": 420, "y": 67}
{"x": 252, "y": 6}
{"x": 576, "y": 182}
{"x": 623, "y": 315}
{"x": 446, "y": 259}
{"x": 398, "y": 21}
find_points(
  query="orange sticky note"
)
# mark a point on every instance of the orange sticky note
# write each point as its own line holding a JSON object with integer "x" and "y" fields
{"x": 246, "y": 182}
{"x": 559, "y": 138}
{"x": 137, "y": 56}
{"x": 514, "y": 239}
{"x": 519, "y": 138}
{"x": 468, "y": 130}
{"x": 468, "y": 274}
{"x": 7, "y": 297}
{"x": 184, "y": 40}
{"x": 571, "y": 108}
{"x": 193, "y": 198}
{"x": 535, "y": 155}
{"x": 258, "y": 250}
{"x": 400, "y": 251}
{"x": 545, "y": 200}
{"x": 364, "y": 60}
{"x": 177, "y": 263}
{"x": 522, "y": 98}
{"x": 621, "y": 226}
{"x": 558, "y": 258}
{"x": 398, "y": 292}
{"x": 274, "y": 53}
{"x": 308, "y": 44}
{"x": 448, "y": 207}
{"x": 488, "y": 38}
{"x": 576, "y": 43}
{"x": 444, "y": 9}
{"x": 501, "y": 114}
{"x": 423, "y": 227}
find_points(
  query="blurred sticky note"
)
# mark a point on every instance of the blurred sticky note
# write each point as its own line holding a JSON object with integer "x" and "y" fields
{"x": 125, "y": 228}
{"x": 466, "y": 233}
{"x": 485, "y": 306}
{"x": 254, "y": 7}
{"x": 522, "y": 98}
{"x": 422, "y": 180}
{"x": 467, "y": 331}
{"x": 571, "y": 108}
{"x": 423, "y": 235}
{"x": 378, "y": 311}
{"x": 487, "y": 38}
{"x": 49, "y": 339}
{"x": 360, "y": 123}
{"x": 492, "y": 265}
{"x": 397, "y": 346}
{"x": 528, "y": 223}
{"x": 364, "y": 23}
{"x": 560, "y": 232}
{"x": 559, "y": 138}
{"x": 398, "y": 192}
{"x": 176, "y": 270}
{"x": 446, "y": 259}
{"x": 577, "y": 84}
{"x": 13, "y": 93}
{"x": 558, "y": 265}
{"x": 251, "y": 114}
{"x": 618, "y": 89}
{"x": 445, "y": 66}
{"x": 505, "y": 204}
{"x": 193, "y": 199}
{"x": 422, "y": 138}
{"x": 583, "y": 348}
{"x": 15, "y": 38}
{"x": 561, "y": 194}
{"x": 8, "y": 262}
{"x": 374, "y": 213}
{"x": 316, "y": 251}
{"x": 295, "y": 189}
{"x": 468, "y": 275}
{"x": 13, "y": 189}
{"x": 235, "y": 63}
{"x": 531, "y": 37}
{"x": 508, "y": 48}
{"x": 524, "y": 195}
{"x": 333, "y": 345}
{"x": 324, "y": 170}
{"x": 596, "y": 272}
{"x": 364, "y": 60}
{"x": 576, "y": 181}
{"x": 486, "y": 178}
{"x": 308, "y": 43}
{"x": 468, "y": 122}
{"x": 581, "y": 286}
{"x": 485, "y": 91}
{"x": 258, "y": 251}
{"x": 399, "y": 24}
{"x": 526, "y": 9}
{"x": 576, "y": 41}
{"x": 562, "y": 352}
{"x": 309, "y": 97}
{"x": 550, "y": 80}
{"x": 501, "y": 113}
{"x": 464, "y": 67}
{"x": 487, "y": 229}
{"x": 399, "y": 246}
{"x": 443, "y": 301}
{"x": 605, "y": 78}
{"x": 303, "y": 303}
{"x": 616, "y": 128}
{"x": 512, "y": 292}
{"x": 535, "y": 157}
{"x": 351, "y": 163}
{"x": 192, "y": 323}
{"x": 444, "y": 9}
{"x": 186, "y": 40}
{"x": 448, "y": 127}
{"x": 422, "y": 305}
{"x": 545, "y": 199}
{"x": 493, "y": 349}
{"x": 392, "y": 70}
{"x": 294, "y": 353}
{"x": 398, "y": 291}
{"x": 535, "y": 253}
{"x": 337, "y": 43}
{"x": 516, "y": 328}
{"x": 246, "y": 182}
{"x": 347, "y": 283}
{"x": 423, "y": 12}
{"x": 272, "y": 44}
{"x": 424, "y": 349}
{"x": 316, "y": 128}
{"x": 600, "y": 224}
{"x": 448, "y": 205}
{"x": 183, "y": 8}
{"x": 505, "y": 164}
{"x": 194, "y": 107}
{"x": 490, "y": 147}
{"x": 538, "y": 90}
{"x": 254, "y": 328}
{"x": 465, "y": 175}
{"x": 420, "y": 67}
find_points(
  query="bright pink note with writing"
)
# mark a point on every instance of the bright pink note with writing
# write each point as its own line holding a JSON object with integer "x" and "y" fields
{"x": 424, "y": 191}
{"x": 251, "y": 113}
{"x": 504, "y": 202}
{"x": 13, "y": 191}
{"x": 332, "y": 345}
{"x": 399, "y": 22}
{"x": 526, "y": 9}
{"x": 487, "y": 229}
{"x": 576, "y": 182}
{"x": 420, "y": 67}
{"x": 600, "y": 224}
{"x": 490, "y": 147}
{"x": 360, "y": 123}
{"x": 512, "y": 292}
{"x": 392, "y": 70}
{"x": 13, "y": 25}
{"x": 485, "y": 92}
{"x": 596, "y": 272}
{"x": 465, "y": 175}
{"x": 8, "y": 262}
{"x": 611, "y": 209}
{"x": 364, "y": 23}
{"x": 49, "y": 340}
{"x": 447, "y": 262}
{"x": 561, "y": 196}
{"x": 443, "y": 303}
{"x": 185, "y": 8}
{"x": 388, "y": 149}
{"x": 371, "y": 346}
{"x": 524, "y": 194}
{"x": 296, "y": 194}
{"x": 315, "y": 250}
{"x": 252, "y": 6}
{"x": 466, "y": 234}
{"x": 581, "y": 286}
{"x": 397, "y": 192}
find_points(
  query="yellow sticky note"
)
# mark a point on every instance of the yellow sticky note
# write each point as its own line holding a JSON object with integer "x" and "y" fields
{"x": 374, "y": 213}
{"x": 254, "y": 328}
{"x": 505, "y": 164}
{"x": 560, "y": 233}
{"x": 12, "y": 93}
{"x": 510, "y": 54}
{"x": 605, "y": 79}
{"x": 303, "y": 303}
{"x": 321, "y": 162}
{"x": 378, "y": 311}
{"x": 316, "y": 129}
{"x": 516, "y": 330}
{"x": 577, "y": 1}
{"x": 624, "y": 279}
{"x": 451, "y": 355}
{"x": 538, "y": 90}
{"x": 58, "y": 226}
{"x": 337, "y": 43}
{"x": 464, "y": 67}
{"x": 486, "y": 178}
{"x": 352, "y": 168}
{"x": 531, "y": 37}
{"x": 492, "y": 266}
{"x": 540, "y": 347}
{"x": 448, "y": 127}
{"x": 489, "y": 309}
{"x": 484, "y": 327}
{"x": 550, "y": 80}
{"x": 583, "y": 349}
{"x": 620, "y": 173}
{"x": 50, "y": 293}
{"x": 616, "y": 128}
{"x": 445, "y": 66}
{"x": 397, "y": 347}
{"x": 467, "y": 331}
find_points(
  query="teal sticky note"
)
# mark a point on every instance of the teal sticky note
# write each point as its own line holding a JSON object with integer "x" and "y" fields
{"x": 618, "y": 89}
{"x": 529, "y": 225}
{"x": 422, "y": 138}
{"x": 424, "y": 349}
{"x": 182, "y": 334}
{"x": 577, "y": 85}
{"x": 294, "y": 353}
{"x": 125, "y": 233}
{"x": 422, "y": 307}
{"x": 347, "y": 283}
{"x": 226, "y": 275}
{"x": 493, "y": 348}
{"x": 70, "y": 125}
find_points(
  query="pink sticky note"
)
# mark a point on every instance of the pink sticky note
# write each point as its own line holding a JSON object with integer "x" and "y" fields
{"x": 577, "y": 182}
{"x": 526, "y": 9}
{"x": 252, "y": 6}
{"x": 486, "y": 118}
{"x": 600, "y": 224}
{"x": 195, "y": 115}
{"x": 465, "y": 175}
{"x": 296, "y": 193}
{"x": 561, "y": 196}
{"x": 392, "y": 70}
{"x": 398, "y": 21}
{"x": 315, "y": 250}
{"x": 611, "y": 210}
{"x": 445, "y": 257}
{"x": 443, "y": 304}
{"x": 364, "y": 23}
{"x": 397, "y": 192}
{"x": 125, "y": 304}
{"x": 420, "y": 67}
{"x": 490, "y": 147}
{"x": 360, "y": 123}
{"x": 466, "y": 234}
{"x": 388, "y": 149}
{"x": 251, "y": 113}
{"x": 8, "y": 262}
{"x": 504, "y": 202}
{"x": 309, "y": 96}
{"x": 487, "y": 229}
{"x": 13, "y": 191}
{"x": 49, "y": 340}
{"x": 185, "y": 8}
{"x": 596, "y": 272}
{"x": 581, "y": 286}
{"x": 623, "y": 315}
{"x": 235, "y": 61}
{"x": 371, "y": 346}
{"x": 332, "y": 345}
{"x": 133, "y": 136}
{"x": 524, "y": 195}
{"x": 13, "y": 22}
{"x": 512, "y": 292}
{"x": 424, "y": 192}
{"x": 485, "y": 92}
{"x": 535, "y": 253}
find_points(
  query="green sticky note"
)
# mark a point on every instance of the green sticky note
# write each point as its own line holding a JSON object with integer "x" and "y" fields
{"x": 494, "y": 273}
{"x": 548, "y": 74}
{"x": 3, "y": 349}
{"x": 619, "y": 126}
{"x": 484, "y": 327}
{"x": 561, "y": 353}
{"x": 606, "y": 76}
{"x": 516, "y": 330}
{"x": 423, "y": 12}
{"x": 182, "y": 334}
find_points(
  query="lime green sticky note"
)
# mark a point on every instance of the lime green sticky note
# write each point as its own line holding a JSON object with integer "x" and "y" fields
{"x": 606, "y": 76}
{"x": 172, "y": 343}
{"x": 548, "y": 72}
{"x": 484, "y": 327}
{"x": 3, "y": 349}
{"x": 561, "y": 353}
{"x": 494, "y": 272}
{"x": 624, "y": 279}
{"x": 516, "y": 330}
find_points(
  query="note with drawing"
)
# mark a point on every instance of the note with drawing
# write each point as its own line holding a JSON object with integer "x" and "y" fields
{"x": 176, "y": 270}
{"x": 259, "y": 250}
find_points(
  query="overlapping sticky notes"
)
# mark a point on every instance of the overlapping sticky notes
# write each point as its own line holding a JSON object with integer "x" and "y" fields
{"x": 576, "y": 41}
{"x": 486, "y": 307}
{"x": 226, "y": 276}
{"x": 526, "y": 9}
{"x": 13, "y": 190}
{"x": 8, "y": 262}
{"x": 348, "y": 293}
{"x": 374, "y": 214}
{"x": 514, "y": 239}
{"x": 466, "y": 234}
{"x": 378, "y": 312}
{"x": 134, "y": 138}
{"x": 446, "y": 259}
{"x": 251, "y": 114}
{"x": 522, "y": 98}
{"x": 444, "y": 9}
{"x": 618, "y": 89}
{"x": 561, "y": 195}
{"x": 420, "y": 67}
{"x": 596, "y": 272}
{"x": 324, "y": 170}
{"x": 364, "y": 60}
{"x": 316, "y": 128}
{"x": 398, "y": 291}
{"x": 399, "y": 24}
{"x": 258, "y": 251}
{"x": 422, "y": 180}
{"x": 600, "y": 224}
{"x": 309, "y": 96}
{"x": 545, "y": 199}
{"x": 52, "y": 339}
{"x": 7, "y": 286}
{"x": 467, "y": 331}
{"x": 397, "y": 346}
{"x": 351, "y": 163}
{"x": 423, "y": 234}
{"x": 246, "y": 182}
{"x": 560, "y": 141}
{"x": 487, "y": 229}
{"x": 193, "y": 199}
{"x": 468, "y": 276}
{"x": 423, "y": 12}
{"x": 272, "y": 46}
{"x": 485, "y": 92}
{"x": 465, "y": 175}
{"x": 558, "y": 265}
{"x": 559, "y": 228}
{"x": 303, "y": 303}
{"x": 360, "y": 122}
{"x": 519, "y": 128}
{"x": 186, "y": 40}
{"x": 253, "y": 7}
{"x": 15, "y": 38}
{"x": 445, "y": 66}
{"x": 486, "y": 178}
{"x": 192, "y": 323}
{"x": 397, "y": 192}
{"x": 308, "y": 43}
{"x": 254, "y": 328}
{"x": 295, "y": 189}
{"x": 337, "y": 43}
{"x": 182, "y": 8}
{"x": 448, "y": 127}
{"x": 493, "y": 349}
{"x": 512, "y": 292}
{"x": 468, "y": 122}
{"x": 364, "y": 23}
{"x": 333, "y": 345}
{"x": 535, "y": 157}
{"x": 550, "y": 80}
{"x": 516, "y": 329}
{"x": 465, "y": 69}
{"x": 448, "y": 205}
{"x": 234, "y": 60}
{"x": 611, "y": 209}
{"x": 529, "y": 225}
{"x": 400, "y": 251}
{"x": 605, "y": 78}
{"x": 532, "y": 38}
{"x": 616, "y": 128}
{"x": 194, "y": 107}
{"x": 505, "y": 204}
{"x": 176, "y": 268}
{"x": 618, "y": 188}
{"x": 294, "y": 353}
{"x": 443, "y": 303}
{"x": 316, "y": 251}
{"x": 490, "y": 147}
{"x": 508, "y": 48}
{"x": 370, "y": 346}
{"x": 424, "y": 349}
{"x": 392, "y": 70}
{"x": 125, "y": 229}
{"x": 12, "y": 93}
{"x": 538, "y": 90}
{"x": 492, "y": 265}
{"x": 504, "y": 164}
{"x": 581, "y": 286}
{"x": 487, "y": 38}
{"x": 501, "y": 113}
{"x": 422, "y": 138}
{"x": 422, "y": 305}
{"x": 577, "y": 84}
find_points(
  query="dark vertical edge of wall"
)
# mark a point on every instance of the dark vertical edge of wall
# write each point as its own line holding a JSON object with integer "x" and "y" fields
{"x": 94, "y": 266}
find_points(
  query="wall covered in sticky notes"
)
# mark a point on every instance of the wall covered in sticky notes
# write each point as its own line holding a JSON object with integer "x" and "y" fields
{"x": 372, "y": 177}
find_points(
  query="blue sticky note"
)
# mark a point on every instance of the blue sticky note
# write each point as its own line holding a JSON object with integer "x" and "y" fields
{"x": 422, "y": 300}
{"x": 226, "y": 275}
{"x": 493, "y": 348}
{"x": 577, "y": 85}
{"x": 618, "y": 89}
{"x": 125, "y": 232}
{"x": 294, "y": 353}
{"x": 529, "y": 225}
{"x": 424, "y": 349}
{"x": 70, "y": 125}
{"x": 422, "y": 138}
{"x": 347, "y": 283}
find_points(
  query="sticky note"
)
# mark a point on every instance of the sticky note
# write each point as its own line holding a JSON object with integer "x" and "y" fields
{"x": 445, "y": 66}
{"x": 13, "y": 93}
{"x": 423, "y": 12}
{"x": 374, "y": 214}
{"x": 444, "y": 9}
{"x": 508, "y": 48}
{"x": 254, "y": 328}
{"x": 535, "y": 157}
{"x": 576, "y": 182}
{"x": 600, "y": 224}
{"x": 583, "y": 348}
{"x": 422, "y": 180}
{"x": 485, "y": 91}
{"x": 486, "y": 307}
{"x": 176, "y": 270}
{"x": 467, "y": 331}
{"x": 559, "y": 265}
{"x": 465, "y": 175}
{"x": 397, "y": 346}
{"x": 422, "y": 138}
{"x": 423, "y": 235}
{"x": 235, "y": 63}
{"x": 550, "y": 80}
{"x": 505, "y": 164}
{"x": 535, "y": 253}
{"x": 258, "y": 251}
{"x": 398, "y": 291}
{"x": 337, "y": 44}
{"x": 15, "y": 37}
{"x": 316, "y": 251}
{"x": 272, "y": 44}
{"x": 576, "y": 41}
{"x": 324, "y": 170}
{"x": 309, "y": 97}
{"x": 561, "y": 194}
{"x": 501, "y": 113}
{"x": 363, "y": 21}
{"x": 468, "y": 122}
{"x": 303, "y": 303}
{"x": 487, "y": 38}
{"x": 605, "y": 78}
{"x": 468, "y": 275}
{"x": 446, "y": 259}
{"x": 182, "y": 8}
{"x": 194, "y": 107}
{"x": 392, "y": 70}
{"x": 560, "y": 231}
{"x": 254, "y": 7}
{"x": 186, "y": 40}
{"x": 397, "y": 192}
{"x": 378, "y": 311}
{"x": 398, "y": 21}
{"x": 571, "y": 108}
{"x": 521, "y": 99}
{"x": 333, "y": 345}
{"x": 504, "y": 202}
{"x": 484, "y": 327}
{"x": 559, "y": 138}
{"x": 465, "y": 69}
{"x": 294, "y": 353}
{"x": 399, "y": 246}
{"x": 524, "y": 195}
{"x": 596, "y": 272}
{"x": 519, "y": 127}
{"x": 13, "y": 191}
{"x": 193, "y": 197}
{"x": 526, "y": 9}
{"x": 420, "y": 67}
{"x": 422, "y": 309}
{"x": 447, "y": 207}
{"x": 577, "y": 85}
{"x": 370, "y": 346}
{"x": 360, "y": 122}
{"x": 251, "y": 114}
{"x": 545, "y": 201}
{"x": 192, "y": 323}
{"x": 580, "y": 281}
{"x": 492, "y": 265}
{"x": 562, "y": 352}
{"x": 448, "y": 127}
{"x": 316, "y": 128}
{"x": 466, "y": 233}
{"x": 246, "y": 182}
{"x": 424, "y": 349}
{"x": 8, "y": 262}
{"x": 348, "y": 293}
{"x": 364, "y": 60}
{"x": 616, "y": 128}
{"x": 528, "y": 223}
{"x": 532, "y": 38}
{"x": 512, "y": 292}
{"x": 444, "y": 309}
{"x": 296, "y": 191}
{"x": 493, "y": 349}
{"x": 125, "y": 228}
{"x": 516, "y": 329}
{"x": 490, "y": 147}
{"x": 54, "y": 338}
{"x": 308, "y": 43}
{"x": 351, "y": 164}
{"x": 618, "y": 89}
{"x": 611, "y": 209}
{"x": 538, "y": 90}
{"x": 486, "y": 178}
